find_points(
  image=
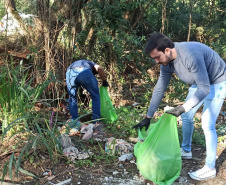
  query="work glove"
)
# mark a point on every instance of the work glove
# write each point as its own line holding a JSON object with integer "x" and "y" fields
{"x": 177, "y": 111}
{"x": 105, "y": 83}
{"x": 144, "y": 123}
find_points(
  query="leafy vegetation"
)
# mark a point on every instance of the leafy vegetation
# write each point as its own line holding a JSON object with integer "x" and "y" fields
{"x": 111, "y": 33}
{"x": 18, "y": 96}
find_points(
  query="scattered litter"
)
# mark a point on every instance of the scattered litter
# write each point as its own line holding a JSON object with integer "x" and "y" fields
{"x": 133, "y": 140}
{"x": 135, "y": 104}
{"x": 80, "y": 155}
{"x": 51, "y": 183}
{"x": 70, "y": 151}
{"x": 47, "y": 173}
{"x": 51, "y": 177}
{"x": 71, "y": 128}
{"x": 65, "y": 141}
{"x": 87, "y": 130}
{"x": 74, "y": 131}
{"x": 166, "y": 108}
{"x": 118, "y": 145}
{"x": 97, "y": 140}
{"x": 74, "y": 154}
{"x": 115, "y": 173}
{"x": 120, "y": 181}
{"x": 125, "y": 157}
{"x": 62, "y": 183}
{"x": 92, "y": 131}
{"x": 121, "y": 165}
{"x": 106, "y": 178}
{"x": 98, "y": 127}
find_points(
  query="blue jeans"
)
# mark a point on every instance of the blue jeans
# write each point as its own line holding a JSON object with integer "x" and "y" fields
{"x": 85, "y": 78}
{"x": 212, "y": 106}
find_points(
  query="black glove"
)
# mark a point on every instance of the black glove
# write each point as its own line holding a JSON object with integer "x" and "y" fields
{"x": 144, "y": 123}
{"x": 105, "y": 83}
{"x": 177, "y": 111}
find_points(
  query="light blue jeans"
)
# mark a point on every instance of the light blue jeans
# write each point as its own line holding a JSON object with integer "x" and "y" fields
{"x": 211, "y": 109}
{"x": 85, "y": 78}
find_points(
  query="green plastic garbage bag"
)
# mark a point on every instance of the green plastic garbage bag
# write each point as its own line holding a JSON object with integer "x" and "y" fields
{"x": 107, "y": 109}
{"x": 158, "y": 151}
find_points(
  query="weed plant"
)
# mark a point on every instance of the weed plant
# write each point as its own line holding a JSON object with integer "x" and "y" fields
{"x": 127, "y": 118}
{"x": 35, "y": 139}
{"x": 18, "y": 96}
{"x": 20, "y": 121}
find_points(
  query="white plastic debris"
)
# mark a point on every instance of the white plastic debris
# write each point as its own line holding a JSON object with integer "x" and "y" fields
{"x": 115, "y": 173}
{"x": 125, "y": 157}
{"x": 87, "y": 130}
{"x": 119, "y": 146}
{"x": 166, "y": 108}
{"x": 81, "y": 155}
{"x": 135, "y": 104}
{"x": 65, "y": 141}
{"x": 70, "y": 151}
{"x": 68, "y": 181}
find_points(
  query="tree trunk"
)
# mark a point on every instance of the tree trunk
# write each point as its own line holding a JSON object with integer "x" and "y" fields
{"x": 190, "y": 18}
{"x": 11, "y": 9}
{"x": 141, "y": 14}
{"x": 212, "y": 6}
{"x": 42, "y": 62}
{"x": 164, "y": 18}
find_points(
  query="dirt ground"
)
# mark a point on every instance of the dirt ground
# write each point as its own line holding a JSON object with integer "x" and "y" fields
{"x": 103, "y": 173}
{"x": 107, "y": 172}
{"x": 127, "y": 173}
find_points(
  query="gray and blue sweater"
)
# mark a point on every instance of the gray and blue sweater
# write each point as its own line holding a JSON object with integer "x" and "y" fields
{"x": 196, "y": 64}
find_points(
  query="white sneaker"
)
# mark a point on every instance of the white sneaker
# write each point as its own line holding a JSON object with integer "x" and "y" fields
{"x": 185, "y": 155}
{"x": 203, "y": 173}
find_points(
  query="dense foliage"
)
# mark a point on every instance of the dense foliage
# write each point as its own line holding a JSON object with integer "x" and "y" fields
{"x": 112, "y": 33}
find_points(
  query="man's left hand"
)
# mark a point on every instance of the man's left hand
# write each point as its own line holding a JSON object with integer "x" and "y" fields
{"x": 144, "y": 123}
{"x": 105, "y": 83}
{"x": 177, "y": 111}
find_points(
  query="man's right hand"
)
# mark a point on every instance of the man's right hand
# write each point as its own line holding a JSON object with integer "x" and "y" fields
{"x": 144, "y": 123}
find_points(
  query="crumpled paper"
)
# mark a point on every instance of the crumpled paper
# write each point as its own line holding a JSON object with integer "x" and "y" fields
{"x": 119, "y": 146}
{"x": 70, "y": 151}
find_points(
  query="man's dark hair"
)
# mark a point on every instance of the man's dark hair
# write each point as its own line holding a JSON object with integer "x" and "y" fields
{"x": 158, "y": 41}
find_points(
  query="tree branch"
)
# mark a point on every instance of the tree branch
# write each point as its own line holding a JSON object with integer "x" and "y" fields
{"x": 141, "y": 14}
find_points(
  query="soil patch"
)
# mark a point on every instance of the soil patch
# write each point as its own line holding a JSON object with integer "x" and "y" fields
{"x": 105, "y": 170}
{"x": 116, "y": 172}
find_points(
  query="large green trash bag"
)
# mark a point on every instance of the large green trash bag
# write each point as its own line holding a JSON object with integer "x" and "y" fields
{"x": 107, "y": 109}
{"x": 158, "y": 151}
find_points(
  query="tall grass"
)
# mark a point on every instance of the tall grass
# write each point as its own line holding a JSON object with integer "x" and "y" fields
{"x": 18, "y": 95}
{"x": 19, "y": 120}
{"x": 34, "y": 139}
